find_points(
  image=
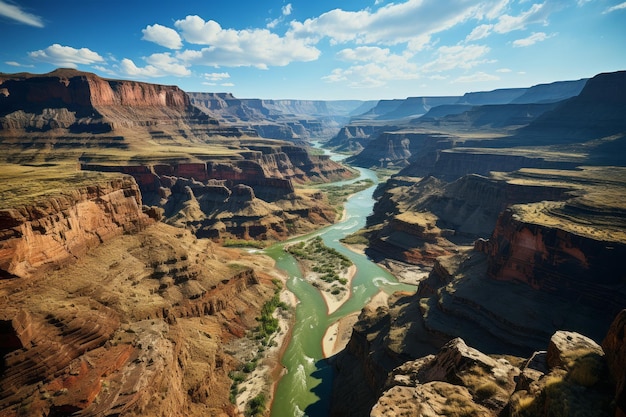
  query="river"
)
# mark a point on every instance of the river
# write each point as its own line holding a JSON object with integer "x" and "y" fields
{"x": 305, "y": 389}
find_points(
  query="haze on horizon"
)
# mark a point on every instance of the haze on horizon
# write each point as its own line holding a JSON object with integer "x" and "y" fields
{"x": 348, "y": 49}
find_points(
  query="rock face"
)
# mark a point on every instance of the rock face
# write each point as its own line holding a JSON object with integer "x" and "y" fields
{"x": 614, "y": 346}
{"x": 204, "y": 196}
{"x": 455, "y": 213}
{"x": 572, "y": 375}
{"x": 47, "y": 234}
{"x": 564, "y": 262}
{"x": 134, "y": 324}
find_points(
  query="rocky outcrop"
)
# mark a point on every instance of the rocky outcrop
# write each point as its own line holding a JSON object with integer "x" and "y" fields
{"x": 47, "y": 234}
{"x": 399, "y": 148}
{"x": 205, "y": 196}
{"x": 72, "y": 109}
{"x": 571, "y": 375}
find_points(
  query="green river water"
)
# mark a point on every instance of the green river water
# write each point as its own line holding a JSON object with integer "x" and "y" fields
{"x": 305, "y": 388}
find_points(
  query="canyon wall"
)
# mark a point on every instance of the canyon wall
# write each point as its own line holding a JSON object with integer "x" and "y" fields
{"x": 108, "y": 312}
{"x": 43, "y": 235}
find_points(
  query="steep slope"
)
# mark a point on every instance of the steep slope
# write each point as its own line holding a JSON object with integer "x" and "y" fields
{"x": 547, "y": 266}
{"x": 103, "y": 323}
{"x": 153, "y": 133}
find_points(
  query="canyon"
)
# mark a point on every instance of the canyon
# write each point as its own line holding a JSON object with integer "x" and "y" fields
{"x": 518, "y": 233}
{"x": 121, "y": 296}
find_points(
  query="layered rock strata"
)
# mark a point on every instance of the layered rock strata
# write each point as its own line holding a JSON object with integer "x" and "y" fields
{"x": 135, "y": 326}
{"x": 46, "y": 234}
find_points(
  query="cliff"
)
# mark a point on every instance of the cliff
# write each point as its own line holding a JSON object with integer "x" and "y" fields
{"x": 230, "y": 198}
{"x": 107, "y": 312}
{"x": 46, "y": 234}
{"x": 80, "y": 109}
{"x": 455, "y": 213}
{"x": 548, "y": 265}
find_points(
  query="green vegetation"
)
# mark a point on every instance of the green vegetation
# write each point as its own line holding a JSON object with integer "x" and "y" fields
{"x": 327, "y": 262}
{"x": 240, "y": 243}
{"x": 357, "y": 238}
{"x": 337, "y": 195}
{"x": 256, "y": 406}
{"x": 268, "y": 325}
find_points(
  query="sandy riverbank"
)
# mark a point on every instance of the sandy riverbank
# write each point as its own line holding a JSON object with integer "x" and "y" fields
{"x": 334, "y": 301}
{"x": 268, "y": 370}
{"x": 338, "y": 334}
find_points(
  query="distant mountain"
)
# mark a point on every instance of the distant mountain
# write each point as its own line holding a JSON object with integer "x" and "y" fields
{"x": 549, "y": 93}
{"x": 599, "y": 111}
{"x": 405, "y": 108}
{"x": 279, "y": 119}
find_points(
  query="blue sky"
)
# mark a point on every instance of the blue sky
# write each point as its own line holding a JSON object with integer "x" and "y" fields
{"x": 345, "y": 49}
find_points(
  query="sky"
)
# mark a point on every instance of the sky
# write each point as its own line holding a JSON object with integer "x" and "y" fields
{"x": 345, "y": 49}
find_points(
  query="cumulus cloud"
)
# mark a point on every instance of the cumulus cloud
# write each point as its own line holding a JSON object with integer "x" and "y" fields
{"x": 168, "y": 64}
{"x": 66, "y": 56}
{"x": 457, "y": 56}
{"x": 236, "y": 48}
{"x": 287, "y": 9}
{"x": 163, "y": 36}
{"x": 504, "y": 70}
{"x": 128, "y": 67}
{"x": 364, "y": 53}
{"x": 394, "y": 23}
{"x": 377, "y": 67}
{"x": 531, "y": 40}
{"x": 16, "y": 13}
{"x": 159, "y": 65}
{"x": 620, "y": 6}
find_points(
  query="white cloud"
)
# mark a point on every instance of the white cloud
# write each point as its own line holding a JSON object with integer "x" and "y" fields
{"x": 216, "y": 76}
{"x": 504, "y": 70}
{"x": 236, "y": 48}
{"x": 479, "y": 32}
{"x": 159, "y": 65}
{"x": 66, "y": 56}
{"x": 378, "y": 67}
{"x": 163, "y": 36}
{"x": 227, "y": 84}
{"x": 477, "y": 77}
{"x": 538, "y": 13}
{"x": 16, "y": 13}
{"x": 128, "y": 67}
{"x": 287, "y": 9}
{"x": 620, "y": 6}
{"x": 168, "y": 64}
{"x": 531, "y": 40}
{"x": 17, "y": 64}
{"x": 394, "y": 23}
{"x": 363, "y": 53}
{"x": 457, "y": 56}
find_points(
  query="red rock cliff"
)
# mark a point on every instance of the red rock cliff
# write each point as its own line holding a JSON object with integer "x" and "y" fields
{"x": 39, "y": 236}
{"x": 557, "y": 260}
